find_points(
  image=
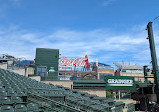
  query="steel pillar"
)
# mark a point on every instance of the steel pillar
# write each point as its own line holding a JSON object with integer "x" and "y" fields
{"x": 155, "y": 70}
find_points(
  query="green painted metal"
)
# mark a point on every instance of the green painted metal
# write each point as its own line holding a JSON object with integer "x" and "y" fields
{"x": 89, "y": 84}
{"x": 127, "y": 95}
{"x": 89, "y": 81}
{"x": 47, "y": 58}
{"x": 50, "y": 78}
{"x": 155, "y": 70}
{"x": 140, "y": 84}
{"x": 145, "y": 72}
{"x": 120, "y": 83}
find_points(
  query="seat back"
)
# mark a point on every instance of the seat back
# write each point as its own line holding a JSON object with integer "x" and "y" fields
{"x": 20, "y": 108}
{"x": 32, "y": 107}
{"x": 4, "y": 100}
{"x": 16, "y": 99}
{"x": 7, "y": 108}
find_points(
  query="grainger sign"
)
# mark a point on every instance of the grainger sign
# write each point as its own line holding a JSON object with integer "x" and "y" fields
{"x": 120, "y": 83}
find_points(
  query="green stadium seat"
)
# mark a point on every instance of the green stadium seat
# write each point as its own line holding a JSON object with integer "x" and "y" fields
{"x": 4, "y": 100}
{"x": 118, "y": 104}
{"x": 32, "y": 107}
{"x": 2, "y": 88}
{"x": 3, "y": 93}
{"x": 16, "y": 99}
{"x": 97, "y": 108}
{"x": 109, "y": 101}
{"x": 20, "y": 108}
{"x": 8, "y": 87}
{"x": 6, "y": 83}
{"x": 20, "y": 93}
{"x": 16, "y": 87}
{"x": 11, "y": 92}
{"x": 7, "y": 108}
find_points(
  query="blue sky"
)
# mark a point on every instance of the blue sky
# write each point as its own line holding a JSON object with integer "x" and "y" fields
{"x": 110, "y": 30}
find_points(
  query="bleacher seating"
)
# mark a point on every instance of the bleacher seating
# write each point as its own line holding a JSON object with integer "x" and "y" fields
{"x": 16, "y": 91}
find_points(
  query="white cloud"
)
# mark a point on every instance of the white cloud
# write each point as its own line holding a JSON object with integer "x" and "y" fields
{"x": 5, "y": 5}
{"x": 107, "y": 47}
{"x": 15, "y": 3}
{"x": 108, "y": 2}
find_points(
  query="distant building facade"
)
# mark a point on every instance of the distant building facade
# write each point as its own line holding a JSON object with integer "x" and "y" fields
{"x": 132, "y": 70}
{"x": 102, "y": 69}
{"x": 105, "y": 71}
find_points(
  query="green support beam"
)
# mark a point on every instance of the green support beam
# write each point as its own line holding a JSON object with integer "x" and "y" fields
{"x": 145, "y": 73}
{"x": 154, "y": 59}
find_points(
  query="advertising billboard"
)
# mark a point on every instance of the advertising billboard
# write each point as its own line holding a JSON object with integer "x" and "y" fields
{"x": 120, "y": 83}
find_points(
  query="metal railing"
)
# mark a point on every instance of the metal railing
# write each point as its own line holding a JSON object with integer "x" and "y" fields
{"x": 50, "y": 104}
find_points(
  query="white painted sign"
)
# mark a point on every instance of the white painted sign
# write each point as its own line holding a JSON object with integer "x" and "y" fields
{"x": 64, "y": 77}
{"x": 120, "y": 82}
{"x": 133, "y": 71}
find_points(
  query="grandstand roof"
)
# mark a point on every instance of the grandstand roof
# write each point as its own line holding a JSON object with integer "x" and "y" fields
{"x": 99, "y": 64}
{"x": 129, "y": 67}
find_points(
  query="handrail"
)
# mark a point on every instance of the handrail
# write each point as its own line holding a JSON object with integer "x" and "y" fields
{"x": 52, "y": 103}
